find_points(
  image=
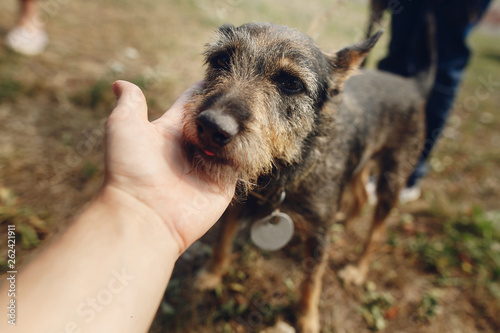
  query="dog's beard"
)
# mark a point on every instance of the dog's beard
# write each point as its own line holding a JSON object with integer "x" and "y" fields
{"x": 242, "y": 161}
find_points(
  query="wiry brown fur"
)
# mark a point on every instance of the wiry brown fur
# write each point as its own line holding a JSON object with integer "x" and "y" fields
{"x": 269, "y": 137}
{"x": 277, "y": 114}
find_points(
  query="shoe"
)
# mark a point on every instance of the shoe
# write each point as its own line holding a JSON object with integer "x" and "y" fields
{"x": 371, "y": 188}
{"x": 409, "y": 194}
{"x": 27, "y": 40}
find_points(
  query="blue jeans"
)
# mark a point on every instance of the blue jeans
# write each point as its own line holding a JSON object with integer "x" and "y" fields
{"x": 453, "y": 22}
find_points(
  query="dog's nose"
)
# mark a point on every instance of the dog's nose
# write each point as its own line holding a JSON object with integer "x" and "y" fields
{"x": 216, "y": 128}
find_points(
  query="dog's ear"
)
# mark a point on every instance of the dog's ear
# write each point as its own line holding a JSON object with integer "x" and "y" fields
{"x": 227, "y": 29}
{"x": 347, "y": 60}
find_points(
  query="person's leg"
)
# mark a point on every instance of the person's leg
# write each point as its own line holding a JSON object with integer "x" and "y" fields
{"x": 28, "y": 10}
{"x": 405, "y": 57}
{"x": 453, "y": 24}
{"x": 407, "y": 24}
{"x": 29, "y": 36}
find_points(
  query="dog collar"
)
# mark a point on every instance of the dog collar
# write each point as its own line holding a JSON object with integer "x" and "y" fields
{"x": 274, "y": 200}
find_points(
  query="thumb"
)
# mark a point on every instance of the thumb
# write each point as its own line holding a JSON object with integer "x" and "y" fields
{"x": 176, "y": 111}
{"x": 130, "y": 101}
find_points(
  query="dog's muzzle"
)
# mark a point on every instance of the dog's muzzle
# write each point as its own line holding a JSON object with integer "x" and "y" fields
{"x": 215, "y": 129}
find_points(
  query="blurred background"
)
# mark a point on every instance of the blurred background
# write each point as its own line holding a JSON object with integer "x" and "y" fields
{"x": 440, "y": 268}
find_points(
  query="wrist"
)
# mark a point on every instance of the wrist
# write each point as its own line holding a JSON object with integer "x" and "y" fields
{"x": 133, "y": 214}
{"x": 117, "y": 245}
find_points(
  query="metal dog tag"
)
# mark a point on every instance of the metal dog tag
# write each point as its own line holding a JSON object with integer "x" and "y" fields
{"x": 272, "y": 232}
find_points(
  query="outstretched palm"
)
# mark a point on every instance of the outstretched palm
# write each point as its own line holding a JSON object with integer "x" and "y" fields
{"x": 145, "y": 160}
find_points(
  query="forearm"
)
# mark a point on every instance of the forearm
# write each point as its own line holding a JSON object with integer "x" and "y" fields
{"x": 107, "y": 273}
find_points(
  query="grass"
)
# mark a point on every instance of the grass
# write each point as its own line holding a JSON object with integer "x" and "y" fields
{"x": 30, "y": 227}
{"x": 375, "y": 306}
{"x": 50, "y": 103}
{"x": 466, "y": 253}
{"x": 10, "y": 89}
{"x": 428, "y": 308}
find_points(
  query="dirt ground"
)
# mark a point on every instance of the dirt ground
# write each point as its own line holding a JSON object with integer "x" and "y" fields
{"x": 431, "y": 275}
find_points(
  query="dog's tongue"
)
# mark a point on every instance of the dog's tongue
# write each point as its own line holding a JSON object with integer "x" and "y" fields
{"x": 209, "y": 153}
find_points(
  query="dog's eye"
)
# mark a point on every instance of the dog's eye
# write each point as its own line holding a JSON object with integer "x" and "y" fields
{"x": 290, "y": 84}
{"x": 222, "y": 61}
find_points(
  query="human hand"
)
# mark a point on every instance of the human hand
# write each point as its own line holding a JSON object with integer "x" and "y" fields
{"x": 145, "y": 161}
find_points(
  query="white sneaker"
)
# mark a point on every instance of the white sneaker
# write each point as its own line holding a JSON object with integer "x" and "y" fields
{"x": 27, "y": 40}
{"x": 371, "y": 190}
{"x": 409, "y": 194}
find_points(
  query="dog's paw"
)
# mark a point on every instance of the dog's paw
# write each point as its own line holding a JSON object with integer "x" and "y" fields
{"x": 352, "y": 275}
{"x": 280, "y": 327}
{"x": 308, "y": 324}
{"x": 206, "y": 280}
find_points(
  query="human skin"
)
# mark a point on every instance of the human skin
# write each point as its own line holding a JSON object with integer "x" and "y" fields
{"x": 108, "y": 271}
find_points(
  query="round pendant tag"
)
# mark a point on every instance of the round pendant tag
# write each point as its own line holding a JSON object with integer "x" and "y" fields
{"x": 272, "y": 232}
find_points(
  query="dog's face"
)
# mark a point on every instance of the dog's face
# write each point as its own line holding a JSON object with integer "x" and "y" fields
{"x": 265, "y": 89}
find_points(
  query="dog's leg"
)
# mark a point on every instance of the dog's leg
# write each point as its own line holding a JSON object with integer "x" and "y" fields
{"x": 314, "y": 264}
{"x": 387, "y": 193}
{"x": 359, "y": 194}
{"x": 212, "y": 274}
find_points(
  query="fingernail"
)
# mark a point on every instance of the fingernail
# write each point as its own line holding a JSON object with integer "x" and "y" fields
{"x": 115, "y": 88}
